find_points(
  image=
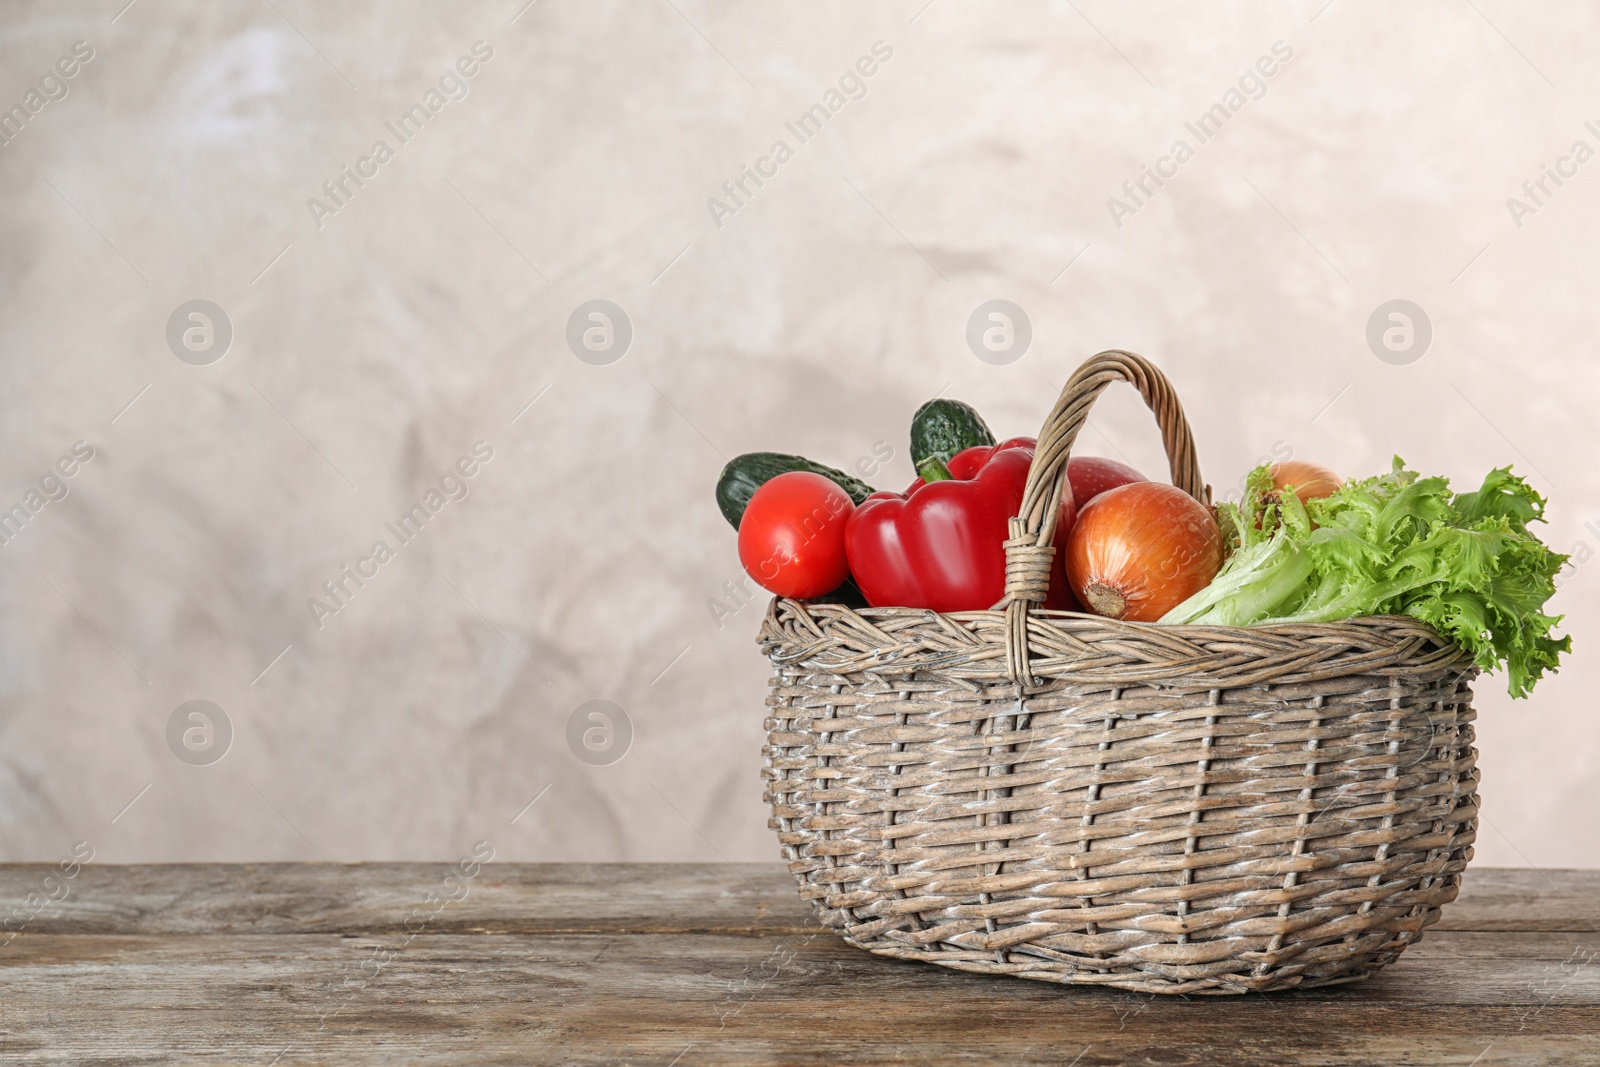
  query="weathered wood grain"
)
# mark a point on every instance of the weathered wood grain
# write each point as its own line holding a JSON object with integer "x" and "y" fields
{"x": 549, "y": 964}
{"x": 372, "y": 898}
{"x": 1520, "y": 899}
{"x": 757, "y": 899}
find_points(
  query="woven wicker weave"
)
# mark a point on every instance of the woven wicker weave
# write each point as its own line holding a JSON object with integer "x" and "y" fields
{"x": 1169, "y": 809}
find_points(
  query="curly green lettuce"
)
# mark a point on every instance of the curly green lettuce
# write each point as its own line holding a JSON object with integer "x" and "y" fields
{"x": 1395, "y": 544}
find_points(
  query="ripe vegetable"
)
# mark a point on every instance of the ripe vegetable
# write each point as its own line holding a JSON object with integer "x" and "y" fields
{"x": 745, "y": 474}
{"x": 1092, "y": 475}
{"x": 791, "y": 538}
{"x": 1309, "y": 480}
{"x": 1141, "y": 549}
{"x": 964, "y": 465}
{"x": 941, "y": 544}
{"x": 941, "y": 428}
{"x": 1398, "y": 544}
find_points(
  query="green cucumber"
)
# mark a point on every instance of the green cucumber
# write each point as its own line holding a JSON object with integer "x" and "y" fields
{"x": 745, "y": 474}
{"x": 941, "y": 428}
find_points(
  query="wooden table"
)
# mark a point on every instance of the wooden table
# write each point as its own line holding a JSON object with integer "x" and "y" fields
{"x": 653, "y": 964}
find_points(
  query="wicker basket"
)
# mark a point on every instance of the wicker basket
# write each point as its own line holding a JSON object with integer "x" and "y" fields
{"x": 1064, "y": 797}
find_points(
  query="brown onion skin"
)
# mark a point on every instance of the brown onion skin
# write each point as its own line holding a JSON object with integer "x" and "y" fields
{"x": 1311, "y": 481}
{"x": 1140, "y": 550}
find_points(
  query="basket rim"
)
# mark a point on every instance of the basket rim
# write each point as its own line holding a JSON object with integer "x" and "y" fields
{"x": 966, "y": 648}
{"x": 889, "y": 610}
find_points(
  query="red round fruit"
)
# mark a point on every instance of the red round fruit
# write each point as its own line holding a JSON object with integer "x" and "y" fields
{"x": 791, "y": 538}
{"x": 1141, "y": 549}
{"x": 1092, "y": 475}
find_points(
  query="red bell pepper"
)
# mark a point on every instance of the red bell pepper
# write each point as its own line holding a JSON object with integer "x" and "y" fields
{"x": 941, "y": 543}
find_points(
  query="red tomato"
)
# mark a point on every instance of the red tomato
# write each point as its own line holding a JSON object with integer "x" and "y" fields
{"x": 1092, "y": 475}
{"x": 791, "y": 539}
{"x": 1141, "y": 549}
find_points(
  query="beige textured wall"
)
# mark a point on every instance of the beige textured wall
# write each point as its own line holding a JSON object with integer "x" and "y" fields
{"x": 427, "y": 312}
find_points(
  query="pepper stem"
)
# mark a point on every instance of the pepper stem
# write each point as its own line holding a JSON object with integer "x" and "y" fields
{"x": 933, "y": 469}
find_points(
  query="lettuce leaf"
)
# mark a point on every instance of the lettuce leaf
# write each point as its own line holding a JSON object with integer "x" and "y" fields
{"x": 1395, "y": 544}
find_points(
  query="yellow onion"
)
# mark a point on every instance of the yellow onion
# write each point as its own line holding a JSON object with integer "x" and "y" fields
{"x": 1309, "y": 480}
{"x": 1141, "y": 549}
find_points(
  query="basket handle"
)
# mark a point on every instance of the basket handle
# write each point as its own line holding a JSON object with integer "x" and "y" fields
{"x": 1028, "y": 548}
